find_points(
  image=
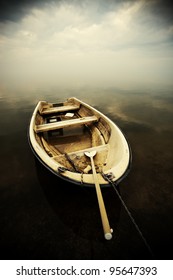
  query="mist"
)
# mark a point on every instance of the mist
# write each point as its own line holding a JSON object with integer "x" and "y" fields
{"x": 77, "y": 44}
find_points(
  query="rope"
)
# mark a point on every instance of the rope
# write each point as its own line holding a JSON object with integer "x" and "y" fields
{"x": 128, "y": 212}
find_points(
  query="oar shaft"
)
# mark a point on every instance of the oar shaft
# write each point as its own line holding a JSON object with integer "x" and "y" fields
{"x": 104, "y": 217}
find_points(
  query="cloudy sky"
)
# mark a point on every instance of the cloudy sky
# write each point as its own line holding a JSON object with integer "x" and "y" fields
{"x": 76, "y": 43}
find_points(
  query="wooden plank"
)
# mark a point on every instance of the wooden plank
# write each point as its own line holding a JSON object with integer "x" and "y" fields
{"x": 59, "y": 109}
{"x": 104, "y": 128}
{"x": 98, "y": 149}
{"x": 66, "y": 123}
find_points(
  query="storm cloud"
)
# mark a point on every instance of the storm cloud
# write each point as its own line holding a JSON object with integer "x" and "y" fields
{"x": 80, "y": 43}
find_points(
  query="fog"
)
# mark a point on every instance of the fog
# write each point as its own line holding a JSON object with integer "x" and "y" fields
{"x": 75, "y": 44}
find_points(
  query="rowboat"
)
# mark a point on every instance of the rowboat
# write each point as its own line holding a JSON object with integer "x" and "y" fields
{"x": 78, "y": 143}
{"x": 60, "y": 134}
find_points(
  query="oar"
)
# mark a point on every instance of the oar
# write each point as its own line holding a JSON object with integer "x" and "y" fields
{"x": 106, "y": 227}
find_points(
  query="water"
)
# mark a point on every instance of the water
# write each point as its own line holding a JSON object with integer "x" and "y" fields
{"x": 43, "y": 217}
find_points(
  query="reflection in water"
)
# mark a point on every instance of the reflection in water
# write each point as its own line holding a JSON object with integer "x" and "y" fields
{"x": 43, "y": 217}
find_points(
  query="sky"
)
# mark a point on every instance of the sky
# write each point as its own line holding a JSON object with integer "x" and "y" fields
{"x": 74, "y": 44}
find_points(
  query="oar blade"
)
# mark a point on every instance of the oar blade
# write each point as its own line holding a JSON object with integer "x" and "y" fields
{"x": 90, "y": 154}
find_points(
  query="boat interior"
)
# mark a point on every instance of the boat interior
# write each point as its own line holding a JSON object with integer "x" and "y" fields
{"x": 67, "y": 130}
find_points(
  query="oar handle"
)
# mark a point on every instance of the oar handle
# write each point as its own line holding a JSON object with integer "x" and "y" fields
{"x": 105, "y": 222}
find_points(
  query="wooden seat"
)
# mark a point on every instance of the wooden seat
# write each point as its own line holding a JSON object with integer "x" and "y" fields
{"x": 100, "y": 148}
{"x": 59, "y": 109}
{"x": 66, "y": 123}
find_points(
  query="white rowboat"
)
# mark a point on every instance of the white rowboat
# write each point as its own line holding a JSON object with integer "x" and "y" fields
{"x": 62, "y": 134}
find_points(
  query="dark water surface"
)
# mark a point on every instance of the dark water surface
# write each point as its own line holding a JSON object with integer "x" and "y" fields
{"x": 43, "y": 217}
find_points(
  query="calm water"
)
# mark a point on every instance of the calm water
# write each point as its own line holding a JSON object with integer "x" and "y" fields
{"x": 42, "y": 217}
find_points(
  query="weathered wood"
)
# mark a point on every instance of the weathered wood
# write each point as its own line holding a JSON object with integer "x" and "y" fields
{"x": 59, "y": 109}
{"x": 66, "y": 123}
{"x": 61, "y": 159}
{"x": 82, "y": 162}
{"x": 56, "y": 155}
{"x": 104, "y": 129}
{"x": 97, "y": 137}
{"x": 98, "y": 149}
{"x": 84, "y": 111}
